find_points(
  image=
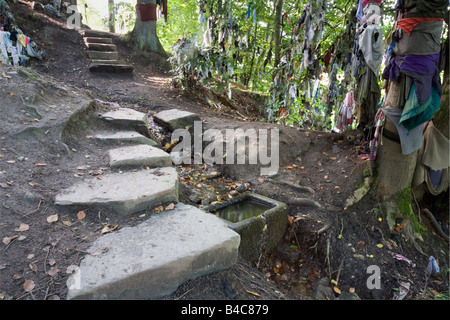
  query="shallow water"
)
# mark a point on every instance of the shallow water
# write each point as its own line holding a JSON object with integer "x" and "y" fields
{"x": 243, "y": 210}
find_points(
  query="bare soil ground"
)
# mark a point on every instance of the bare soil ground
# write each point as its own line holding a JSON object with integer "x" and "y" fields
{"x": 335, "y": 243}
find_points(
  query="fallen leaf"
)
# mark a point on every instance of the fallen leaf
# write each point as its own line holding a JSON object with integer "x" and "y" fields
{"x": 103, "y": 250}
{"x": 29, "y": 285}
{"x": 40, "y": 164}
{"x": 290, "y": 167}
{"x": 333, "y": 158}
{"x": 107, "y": 229}
{"x": 170, "y": 207}
{"x": 33, "y": 266}
{"x": 81, "y": 215}
{"x": 12, "y": 94}
{"x": 22, "y": 227}
{"x": 160, "y": 208}
{"x": 52, "y": 218}
{"x": 53, "y": 272}
{"x": 261, "y": 180}
{"x": 7, "y": 240}
{"x": 336, "y": 289}
{"x": 380, "y": 245}
{"x": 351, "y": 290}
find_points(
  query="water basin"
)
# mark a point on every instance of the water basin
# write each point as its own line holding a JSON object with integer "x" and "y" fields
{"x": 260, "y": 221}
{"x": 243, "y": 210}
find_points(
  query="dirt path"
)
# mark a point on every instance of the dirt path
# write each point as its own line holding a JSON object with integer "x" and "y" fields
{"x": 332, "y": 242}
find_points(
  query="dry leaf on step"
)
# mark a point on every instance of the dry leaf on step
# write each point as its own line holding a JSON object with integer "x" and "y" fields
{"x": 52, "y": 218}
{"x": 22, "y": 227}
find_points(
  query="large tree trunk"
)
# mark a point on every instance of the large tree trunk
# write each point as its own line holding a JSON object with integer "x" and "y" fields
{"x": 395, "y": 170}
{"x": 144, "y": 33}
{"x": 277, "y": 32}
{"x": 112, "y": 16}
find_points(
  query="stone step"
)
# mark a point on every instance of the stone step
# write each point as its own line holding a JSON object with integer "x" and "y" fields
{"x": 125, "y": 136}
{"x": 98, "y": 40}
{"x": 103, "y": 55}
{"x": 95, "y": 33}
{"x": 152, "y": 259}
{"x": 99, "y": 61}
{"x": 140, "y": 155}
{"x": 176, "y": 119}
{"x": 125, "y": 117}
{"x": 126, "y": 192}
{"x": 114, "y": 68}
{"x": 101, "y": 47}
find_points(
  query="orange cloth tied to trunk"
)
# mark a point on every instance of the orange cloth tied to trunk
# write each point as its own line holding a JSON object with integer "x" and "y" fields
{"x": 408, "y": 24}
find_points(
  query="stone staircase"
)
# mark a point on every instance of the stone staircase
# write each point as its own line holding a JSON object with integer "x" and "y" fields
{"x": 103, "y": 53}
{"x": 152, "y": 259}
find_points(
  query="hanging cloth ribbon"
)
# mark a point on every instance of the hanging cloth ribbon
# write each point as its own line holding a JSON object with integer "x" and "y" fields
{"x": 249, "y": 11}
{"x": 408, "y": 24}
{"x": 147, "y": 11}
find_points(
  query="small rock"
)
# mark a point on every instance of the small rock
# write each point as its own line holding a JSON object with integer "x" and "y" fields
{"x": 286, "y": 253}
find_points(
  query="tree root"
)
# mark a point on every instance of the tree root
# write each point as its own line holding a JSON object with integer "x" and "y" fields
{"x": 360, "y": 193}
{"x": 303, "y": 202}
{"x": 293, "y": 185}
{"x": 436, "y": 224}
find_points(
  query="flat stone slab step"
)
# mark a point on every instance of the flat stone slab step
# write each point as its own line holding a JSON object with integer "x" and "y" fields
{"x": 103, "y": 55}
{"x": 106, "y": 67}
{"x": 98, "y": 40}
{"x": 125, "y": 116}
{"x": 95, "y": 33}
{"x": 126, "y": 192}
{"x": 152, "y": 259}
{"x": 99, "y": 61}
{"x": 141, "y": 155}
{"x": 101, "y": 47}
{"x": 126, "y": 136}
{"x": 176, "y": 119}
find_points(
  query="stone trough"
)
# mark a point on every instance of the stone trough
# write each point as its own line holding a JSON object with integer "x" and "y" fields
{"x": 260, "y": 221}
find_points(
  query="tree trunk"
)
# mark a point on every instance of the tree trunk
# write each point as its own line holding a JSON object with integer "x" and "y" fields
{"x": 395, "y": 170}
{"x": 441, "y": 118}
{"x": 277, "y": 32}
{"x": 144, "y": 33}
{"x": 112, "y": 17}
